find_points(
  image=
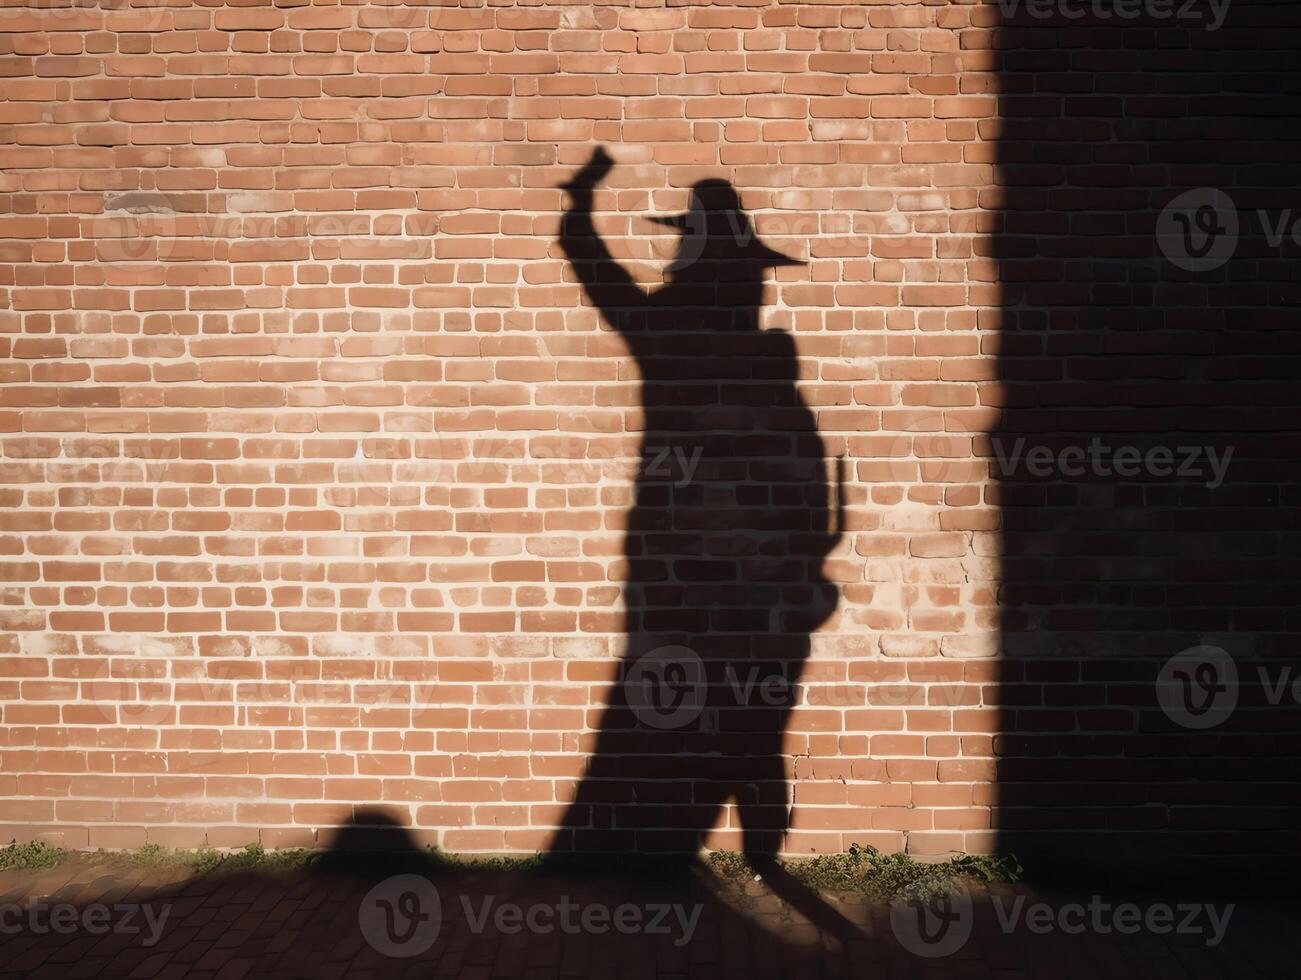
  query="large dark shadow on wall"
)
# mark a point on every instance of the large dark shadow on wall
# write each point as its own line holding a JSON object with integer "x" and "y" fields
{"x": 1127, "y": 336}
{"x": 731, "y": 518}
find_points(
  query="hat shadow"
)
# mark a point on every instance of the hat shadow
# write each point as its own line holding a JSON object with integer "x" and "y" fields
{"x": 716, "y": 228}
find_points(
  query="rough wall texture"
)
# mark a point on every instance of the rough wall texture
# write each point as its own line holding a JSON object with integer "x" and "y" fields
{"x": 317, "y": 457}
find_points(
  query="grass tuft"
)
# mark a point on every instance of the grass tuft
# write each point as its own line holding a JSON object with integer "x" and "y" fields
{"x": 38, "y": 855}
{"x": 879, "y": 876}
{"x": 31, "y": 856}
{"x": 864, "y": 870}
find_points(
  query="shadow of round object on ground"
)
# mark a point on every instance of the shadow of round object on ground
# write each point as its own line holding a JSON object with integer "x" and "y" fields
{"x": 374, "y": 843}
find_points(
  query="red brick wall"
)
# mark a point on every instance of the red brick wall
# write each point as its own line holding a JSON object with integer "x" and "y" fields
{"x": 316, "y": 456}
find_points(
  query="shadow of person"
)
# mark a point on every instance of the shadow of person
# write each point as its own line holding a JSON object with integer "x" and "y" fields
{"x": 724, "y": 543}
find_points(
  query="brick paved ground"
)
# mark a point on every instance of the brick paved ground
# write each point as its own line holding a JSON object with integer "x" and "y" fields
{"x": 307, "y": 924}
